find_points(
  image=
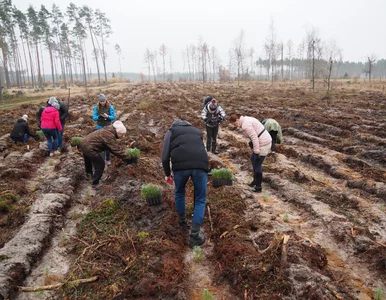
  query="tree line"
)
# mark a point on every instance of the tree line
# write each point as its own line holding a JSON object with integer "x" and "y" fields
{"x": 24, "y": 36}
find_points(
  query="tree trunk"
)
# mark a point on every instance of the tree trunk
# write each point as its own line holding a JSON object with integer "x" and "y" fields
{"x": 96, "y": 56}
{"x": 38, "y": 63}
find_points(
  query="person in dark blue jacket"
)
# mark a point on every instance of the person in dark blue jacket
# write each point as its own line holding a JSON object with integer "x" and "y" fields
{"x": 184, "y": 147}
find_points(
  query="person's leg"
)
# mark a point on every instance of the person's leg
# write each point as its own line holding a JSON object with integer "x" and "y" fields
{"x": 55, "y": 137}
{"x": 99, "y": 166}
{"x": 214, "y": 139}
{"x": 60, "y": 138}
{"x": 258, "y": 174}
{"x": 47, "y": 134}
{"x": 25, "y": 138}
{"x": 88, "y": 166}
{"x": 200, "y": 182}
{"x": 180, "y": 180}
{"x": 273, "y": 134}
{"x": 208, "y": 138}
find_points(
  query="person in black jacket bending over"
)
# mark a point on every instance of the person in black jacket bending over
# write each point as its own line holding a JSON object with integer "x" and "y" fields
{"x": 21, "y": 133}
{"x": 183, "y": 145}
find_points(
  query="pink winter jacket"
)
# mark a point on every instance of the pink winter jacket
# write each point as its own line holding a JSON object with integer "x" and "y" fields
{"x": 50, "y": 119}
{"x": 252, "y": 128}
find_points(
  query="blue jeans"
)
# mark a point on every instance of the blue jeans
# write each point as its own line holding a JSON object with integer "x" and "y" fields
{"x": 51, "y": 134}
{"x": 200, "y": 181}
{"x": 60, "y": 137}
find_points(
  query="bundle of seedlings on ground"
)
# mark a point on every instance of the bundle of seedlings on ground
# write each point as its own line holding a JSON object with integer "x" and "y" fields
{"x": 40, "y": 133}
{"x": 134, "y": 153}
{"x": 152, "y": 193}
{"x": 221, "y": 177}
{"x": 75, "y": 141}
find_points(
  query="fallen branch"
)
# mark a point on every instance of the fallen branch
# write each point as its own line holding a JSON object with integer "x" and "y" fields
{"x": 381, "y": 244}
{"x": 335, "y": 293}
{"x": 226, "y": 232}
{"x": 286, "y": 237}
{"x": 210, "y": 219}
{"x": 55, "y": 286}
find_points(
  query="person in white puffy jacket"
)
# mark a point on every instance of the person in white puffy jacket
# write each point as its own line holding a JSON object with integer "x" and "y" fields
{"x": 260, "y": 143}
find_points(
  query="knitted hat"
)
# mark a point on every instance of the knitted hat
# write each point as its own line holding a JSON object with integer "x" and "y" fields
{"x": 52, "y": 100}
{"x": 119, "y": 127}
{"x": 24, "y": 117}
{"x": 102, "y": 98}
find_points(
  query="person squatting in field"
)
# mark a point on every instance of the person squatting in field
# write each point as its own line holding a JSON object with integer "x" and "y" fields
{"x": 98, "y": 141}
{"x": 274, "y": 129}
{"x": 213, "y": 115}
{"x": 104, "y": 115}
{"x": 183, "y": 145}
{"x": 21, "y": 132}
{"x": 260, "y": 143}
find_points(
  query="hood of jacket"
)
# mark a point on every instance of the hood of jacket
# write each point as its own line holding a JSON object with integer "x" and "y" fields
{"x": 181, "y": 123}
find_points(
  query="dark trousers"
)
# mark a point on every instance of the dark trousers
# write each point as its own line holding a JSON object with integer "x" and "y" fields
{"x": 273, "y": 134}
{"x": 211, "y": 138}
{"x": 99, "y": 166}
{"x": 257, "y": 163}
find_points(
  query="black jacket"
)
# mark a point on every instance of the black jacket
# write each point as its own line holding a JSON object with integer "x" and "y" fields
{"x": 184, "y": 146}
{"x": 21, "y": 127}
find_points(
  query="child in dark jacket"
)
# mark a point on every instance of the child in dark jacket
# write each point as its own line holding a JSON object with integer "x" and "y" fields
{"x": 21, "y": 132}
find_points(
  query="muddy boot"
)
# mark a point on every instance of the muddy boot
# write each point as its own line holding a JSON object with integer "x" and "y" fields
{"x": 196, "y": 238}
{"x": 257, "y": 187}
{"x": 183, "y": 223}
{"x": 253, "y": 183}
{"x": 214, "y": 148}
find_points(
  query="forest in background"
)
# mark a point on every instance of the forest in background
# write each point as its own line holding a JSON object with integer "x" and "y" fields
{"x": 72, "y": 42}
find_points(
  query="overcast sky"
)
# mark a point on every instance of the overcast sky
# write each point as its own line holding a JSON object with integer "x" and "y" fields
{"x": 357, "y": 26}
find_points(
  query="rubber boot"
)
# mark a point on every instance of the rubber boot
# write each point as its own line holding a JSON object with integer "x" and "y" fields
{"x": 257, "y": 187}
{"x": 253, "y": 183}
{"x": 182, "y": 221}
{"x": 214, "y": 148}
{"x": 196, "y": 238}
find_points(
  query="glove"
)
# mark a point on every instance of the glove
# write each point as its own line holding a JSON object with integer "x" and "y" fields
{"x": 131, "y": 160}
{"x": 250, "y": 144}
{"x": 220, "y": 119}
{"x": 37, "y": 138}
{"x": 169, "y": 179}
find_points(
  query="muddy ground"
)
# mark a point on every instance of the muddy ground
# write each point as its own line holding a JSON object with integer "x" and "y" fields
{"x": 317, "y": 231}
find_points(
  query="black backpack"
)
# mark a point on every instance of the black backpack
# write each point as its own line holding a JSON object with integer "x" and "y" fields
{"x": 206, "y": 101}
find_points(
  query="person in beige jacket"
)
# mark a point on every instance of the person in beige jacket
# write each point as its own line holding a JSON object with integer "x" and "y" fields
{"x": 260, "y": 143}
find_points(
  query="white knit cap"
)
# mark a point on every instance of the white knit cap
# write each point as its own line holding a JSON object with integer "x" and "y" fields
{"x": 119, "y": 127}
{"x": 24, "y": 117}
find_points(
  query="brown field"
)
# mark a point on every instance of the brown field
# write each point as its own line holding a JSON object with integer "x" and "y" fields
{"x": 317, "y": 231}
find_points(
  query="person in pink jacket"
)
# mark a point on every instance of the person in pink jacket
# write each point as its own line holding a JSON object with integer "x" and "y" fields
{"x": 260, "y": 143}
{"x": 50, "y": 124}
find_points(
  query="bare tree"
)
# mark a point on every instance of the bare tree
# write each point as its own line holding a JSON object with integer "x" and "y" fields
{"x": 331, "y": 55}
{"x": 119, "y": 52}
{"x": 289, "y": 57}
{"x": 148, "y": 60}
{"x": 369, "y": 65}
{"x": 314, "y": 51}
{"x": 270, "y": 48}
{"x": 163, "y": 51}
{"x": 239, "y": 52}
{"x": 251, "y": 54}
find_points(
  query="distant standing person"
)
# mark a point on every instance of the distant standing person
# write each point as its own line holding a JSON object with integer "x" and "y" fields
{"x": 183, "y": 145}
{"x": 104, "y": 115}
{"x": 63, "y": 114}
{"x": 21, "y": 132}
{"x": 274, "y": 129}
{"x": 98, "y": 141}
{"x": 213, "y": 115}
{"x": 260, "y": 143}
{"x": 50, "y": 124}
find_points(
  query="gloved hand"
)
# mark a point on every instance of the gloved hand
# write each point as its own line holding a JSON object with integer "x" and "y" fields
{"x": 37, "y": 138}
{"x": 250, "y": 144}
{"x": 131, "y": 160}
{"x": 169, "y": 179}
{"x": 220, "y": 119}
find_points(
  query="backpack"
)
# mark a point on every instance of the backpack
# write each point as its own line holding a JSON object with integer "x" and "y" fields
{"x": 206, "y": 101}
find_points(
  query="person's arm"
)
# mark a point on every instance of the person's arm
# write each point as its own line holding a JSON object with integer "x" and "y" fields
{"x": 111, "y": 113}
{"x": 251, "y": 133}
{"x": 204, "y": 113}
{"x": 166, "y": 154}
{"x": 64, "y": 111}
{"x": 279, "y": 136}
{"x": 27, "y": 131}
{"x": 95, "y": 115}
{"x": 39, "y": 115}
{"x": 114, "y": 147}
{"x": 58, "y": 125}
{"x": 222, "y": 112}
